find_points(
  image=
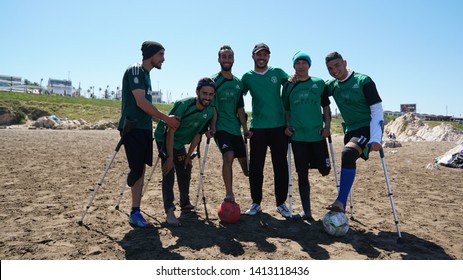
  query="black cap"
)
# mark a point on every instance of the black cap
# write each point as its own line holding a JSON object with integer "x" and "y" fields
{"x": 150, "y": 48}
{"x": 259, "y": 47}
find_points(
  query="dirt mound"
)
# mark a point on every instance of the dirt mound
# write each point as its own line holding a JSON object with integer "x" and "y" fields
{"x": 411, "y": 128}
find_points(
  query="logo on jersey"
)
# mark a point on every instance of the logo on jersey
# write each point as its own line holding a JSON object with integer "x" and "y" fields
{"x": 314, "y": 86}
{"x": 274, "y": 79}
{"x": 355, "y": 86}
{"x": 205, "y": 116}
{"x": 135, "y": 80}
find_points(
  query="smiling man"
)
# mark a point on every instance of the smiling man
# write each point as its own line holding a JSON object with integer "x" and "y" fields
{"x": 195, "y": 115}
{"x": 268, "y": 129}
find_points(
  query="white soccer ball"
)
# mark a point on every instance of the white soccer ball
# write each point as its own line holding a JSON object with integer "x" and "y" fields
{"x": 335, "y": 223}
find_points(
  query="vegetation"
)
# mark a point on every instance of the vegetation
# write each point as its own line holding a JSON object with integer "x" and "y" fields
{"x": 93, "y": 110}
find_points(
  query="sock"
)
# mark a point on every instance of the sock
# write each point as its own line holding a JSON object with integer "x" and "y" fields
{"x": 345, "y": 185}
{"x": 134, "y": 209}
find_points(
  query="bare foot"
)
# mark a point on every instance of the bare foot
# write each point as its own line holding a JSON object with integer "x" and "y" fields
{"x": 172, "y": 220}
{"x": 337, "y": 206}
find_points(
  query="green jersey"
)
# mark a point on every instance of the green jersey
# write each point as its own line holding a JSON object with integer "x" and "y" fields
{"x": 192, "y": 122}
{"x": 304, "y": 101}
{"x": 354, "y": 97}
{"x": 265, "y": 89}
{"x": 228, "y": 98}
{"x": 135, "y": 77}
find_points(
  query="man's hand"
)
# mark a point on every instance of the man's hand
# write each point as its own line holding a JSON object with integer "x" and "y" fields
{"x": 172, "y": 121}
{"x": 374, "y": 146}
{"x": 167, "y": 166}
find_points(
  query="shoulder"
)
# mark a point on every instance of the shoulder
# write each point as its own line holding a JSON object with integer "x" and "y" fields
{"x": 361, "y": 77}
{"x": 317, "y": 80}
{"x": 135, "y": 69}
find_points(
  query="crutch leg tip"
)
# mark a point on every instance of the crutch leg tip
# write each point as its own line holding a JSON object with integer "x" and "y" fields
{"x": 80, "y": 223}
{"x": 117, "y": 207}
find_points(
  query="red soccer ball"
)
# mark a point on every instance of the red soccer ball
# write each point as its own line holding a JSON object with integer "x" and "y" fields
{"x": 229, "y": 212}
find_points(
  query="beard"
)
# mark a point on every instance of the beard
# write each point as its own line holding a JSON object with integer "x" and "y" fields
{"x": 226, "y": 68}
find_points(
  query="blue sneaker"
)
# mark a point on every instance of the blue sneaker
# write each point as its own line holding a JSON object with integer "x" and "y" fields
{"x": 137, "y": 220}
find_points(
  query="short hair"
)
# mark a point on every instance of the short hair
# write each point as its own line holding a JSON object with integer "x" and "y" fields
{"x": 205, "y": 82}
{"x": 333, "y": 56}
{"x": 225, "y": 48}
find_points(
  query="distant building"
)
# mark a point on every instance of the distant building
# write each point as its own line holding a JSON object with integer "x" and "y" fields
{"x": 60, "y": 87}
{"x": 157, "y": 96}
{"x": 11, "y": 83}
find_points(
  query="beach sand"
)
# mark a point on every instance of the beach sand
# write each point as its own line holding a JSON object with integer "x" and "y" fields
{"x": 48, "y": 176}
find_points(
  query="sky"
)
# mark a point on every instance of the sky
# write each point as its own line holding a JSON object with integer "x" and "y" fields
{"x": 411, "y": 49}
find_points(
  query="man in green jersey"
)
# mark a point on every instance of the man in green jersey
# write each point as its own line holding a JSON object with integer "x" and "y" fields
{"x": 137, "y": 106}
{"x": 360, "y": 105}
{"x": 307, "y": 127}
{"x": 229, "y": 115}
{"x": 195, "y": 116}
{"x": 268, "y": 128}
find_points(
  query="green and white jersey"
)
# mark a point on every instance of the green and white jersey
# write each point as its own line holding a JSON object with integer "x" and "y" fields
{"x": 135, "y": 77}
{"x": 265, "y": 89}
{"x": 354, "y": 97}
{"x": 228, "y": 98}
{"x": 304, "y": 100}
{"x": 192, "y": 122}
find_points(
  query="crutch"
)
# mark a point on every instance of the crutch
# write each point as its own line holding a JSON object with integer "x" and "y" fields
{"x": 200, "y": 187}
{"x": 330, "y": 142}
{"x": 290, "y": 176}
{"x": 389, "y": 189}
{"x": 123, "y": 184}
{"x": 128, "y": 126}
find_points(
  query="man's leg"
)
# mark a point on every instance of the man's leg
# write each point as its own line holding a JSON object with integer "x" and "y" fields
{"x": 256, "y": 164}
{"x": 227, "y": 174}
{"x": 279, "y": 150}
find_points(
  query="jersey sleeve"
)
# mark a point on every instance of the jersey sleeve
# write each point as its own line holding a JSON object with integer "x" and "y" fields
{"x": 371, "y": 93}
{"x": 325, "y": 100}
{"x": 285, "y": 97}
{"x": 136, "y": 78}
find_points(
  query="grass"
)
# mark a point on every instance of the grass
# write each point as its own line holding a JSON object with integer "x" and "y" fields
{"x": 93, "y": 110}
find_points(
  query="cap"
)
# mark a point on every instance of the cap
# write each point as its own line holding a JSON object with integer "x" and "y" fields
{"x": 300, "y": 55}
{"x": 150, "y": 48}
{"x": 205, "y": 82}
{"x": 259, "y": 47}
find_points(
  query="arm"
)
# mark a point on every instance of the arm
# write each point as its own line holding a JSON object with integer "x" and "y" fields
{"x": 243, "y": 120}
{"x": 376, "y": 131}
{"x": 191, "y": 149}
{"x": 169, "y": 163}
{"x": 327, "y": 120}
{"x": 150, "y": 109}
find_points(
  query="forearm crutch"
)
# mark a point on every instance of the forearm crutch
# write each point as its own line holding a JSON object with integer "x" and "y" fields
{"x": 330, "y": 142}
{"x": 290, "y": 176}
{"x": 201, "y": 174}
{"x": 123, "y": 184}
{"x": 128, "y": 126}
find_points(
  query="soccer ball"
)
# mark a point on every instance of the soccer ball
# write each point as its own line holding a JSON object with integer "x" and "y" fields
{"x": 229, "y": 212}
{"x": 335, "y": 223}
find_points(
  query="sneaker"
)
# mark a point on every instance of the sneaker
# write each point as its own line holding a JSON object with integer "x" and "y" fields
{"x": 283, "y": 210}
{"x": 137, "y": 220}
{"x": 253, "y": 209}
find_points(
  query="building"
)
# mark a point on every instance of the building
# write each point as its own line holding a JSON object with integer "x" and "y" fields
{"x": 11, "y": 83}
{"x": 60, "y": 87}
{"x": 157, "y": 96}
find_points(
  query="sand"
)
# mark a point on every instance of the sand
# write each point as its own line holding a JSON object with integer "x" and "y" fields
{"x": 48, "y": 176}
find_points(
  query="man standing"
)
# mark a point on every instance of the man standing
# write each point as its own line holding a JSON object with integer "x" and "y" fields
{"x": 268, "y": 128}
{"x": 360, "y": 106}
{"x": 137, "y": 107}
{"x": 228, "y": 117}
{"x": 307, "y": 126}
{"x": 195, "y": 116}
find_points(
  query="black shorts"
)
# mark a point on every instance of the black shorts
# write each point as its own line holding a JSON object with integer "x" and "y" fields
{"x": 138, "y": 144}
{"x": 228, "y": 142}
{"x": 360, "y": 137}
{"x": 313, "y": 155}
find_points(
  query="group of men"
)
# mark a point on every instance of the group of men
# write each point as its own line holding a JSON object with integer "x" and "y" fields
{"x": 285, "y": 109}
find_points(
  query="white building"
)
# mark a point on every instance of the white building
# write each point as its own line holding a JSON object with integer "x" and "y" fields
{"x": 60, "y": 87}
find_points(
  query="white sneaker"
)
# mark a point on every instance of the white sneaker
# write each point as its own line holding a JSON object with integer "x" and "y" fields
{"x": 253, "y": 209}
{"x": 283, "y": 210}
